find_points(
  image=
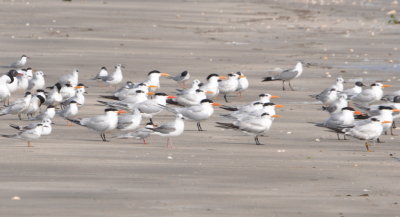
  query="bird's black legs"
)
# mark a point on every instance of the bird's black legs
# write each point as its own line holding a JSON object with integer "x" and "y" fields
{"x": 283, "y": 85}
{"x": 291, "y": 86}
{"x": 199, "y": 127}
{"x": 103, "y": 137}
{"x": 226, "y": 100}
{"x": 257, "y": 141}
{"x": 338, "y": 137}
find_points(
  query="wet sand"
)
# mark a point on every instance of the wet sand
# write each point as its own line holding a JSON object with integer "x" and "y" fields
{"x": 301, "y": 170}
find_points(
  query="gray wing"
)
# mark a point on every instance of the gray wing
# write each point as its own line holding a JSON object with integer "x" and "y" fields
{"x": 165, "y": 128}
{"x": 287, "y": 74}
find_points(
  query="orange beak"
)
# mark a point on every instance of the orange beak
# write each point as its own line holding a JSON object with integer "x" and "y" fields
{"x": 279, "y": 106}
{"x": 396, "y": 110}
{"x": 222, "y": 77}
{"x": 171, "y": 97}
{"x": 276, "y": 116}
{"x": 358, "y": 113}
{"x": 386, "y": 122}
{"x": 209, "y": 92}
{"x": 122, "y": 112}
{"x": 152, "y": 86}
{"x": 165, "y": 74}
{"x": 150, "y": 93}
{"x": 242, "y": 76}
{"x": 386, "y": 85}
{"x": 216, "y": 104}
{"x": 78, "y": 87}
{"x": 274, "y": 97}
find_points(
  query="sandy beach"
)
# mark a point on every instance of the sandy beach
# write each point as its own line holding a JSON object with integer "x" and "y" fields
{"x": 302, "y": 170}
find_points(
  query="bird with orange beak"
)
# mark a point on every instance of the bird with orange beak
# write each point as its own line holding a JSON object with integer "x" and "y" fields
{"x": 153, "y": 80}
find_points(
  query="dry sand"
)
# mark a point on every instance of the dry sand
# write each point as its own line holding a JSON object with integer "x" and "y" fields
{"x": 212, "y": 173}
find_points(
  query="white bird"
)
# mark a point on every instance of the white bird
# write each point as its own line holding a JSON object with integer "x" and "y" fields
{"x": 23, "y": 80}
{"x": 337, "y": 105}
{"x": 228, "y": 86}
{"x": 71, "y": 78}
{"x": 369, "y": 96}
{"x": 212, "y": 85}
{"x": 265, "y": 98}
{"x": 34, "y": 105}
{"x": 79, "y": 96}
{"x": 13, "y": 85}
{"x": 129, "y": 102}
{"x": 49, "y": 113}
{"x": 130, "y": 120}
{"x": 368, "y": 132}
{"x": 327, "y": 97}
{"x": 243, "y": 83}
{"x": 338, "y": 85}
{"x": 54, "y": 97}
{"x": 67, "y": 91}
{"x": 46, "y": 129}
{"x": 189, "y": 99}
{"x": 153, "y": 79}
{"x": 18, "y": 106}
{"x": 115, "y": 78}
{"x": 251, "y": 125}
{"x": 153, "y": 106}
{"x": 170, "y": 129}
{"x": 37, "y": 82}
{"x": 101, "y": 123}
{"x": 142, "y": 133}
{"x": 28, "y": 134}
{"x": 69, "y": 111}
{"x": 287, "y": 75}
{"x": 254, "y": 111}
{"x": 198, "y": 113}
{"x": 20, "y": 63}
{"x": 354, "y": 90}
{"x": 191, "y": 90}
{"x": 181, "y": 78}
{"x": 103, "y": 73}
{"x": 383, "y": 113}
{"x": 4, "y": 80}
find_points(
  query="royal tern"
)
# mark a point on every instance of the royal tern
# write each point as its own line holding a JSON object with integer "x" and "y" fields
{"x": 18, "y": 106}
{"x": 170, "y": 129}
{"x": 212, "y": 85}
{"x": 130, "y": 120}
{"x": 251, "y": 125}
{"x": 369, "y": 96}
{"x": 28, "y": 134}
{"x": 383, "y": 113}
{"x": 142, "y": 133}
{"x": 20, "y": 63}
{"x": 153, "y": 80}
{"x": 71, "y": 78}
{"x": 287, "y": 75}
{"x": 368, "y": 132}
{"x": 354, "y": 90}
{"x": 37, "y": 82}
{"x": 228, "y": 86}
{"x": 181, "y": 78}
{"x": 67, "y": 91}
{"x": 101, "y": 123}
{"x": 243, "y": 83}
{"x": 197, "y": 113}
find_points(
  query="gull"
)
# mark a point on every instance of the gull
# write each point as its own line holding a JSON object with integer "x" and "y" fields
{"x": 181, "y": 78}
{"x": 170, "y": 129}
{"x": 198, "y": 113}
{"x": 243, "y": 83}
{"x": 101, "y": 123}
{"x": 13, "y": 85}
{"x": 34, "y": 105}
{"x": 37, "y": 82}
{"x": 4, "y": 80}
{"x": 49, "y": 113}
{"x": 327, "y": 97}
{"x": 251, "y": 125}
{"x": 369, "y": 96}
{"x": 368, "y": 132}
{"x": 28, "y": 134}
{"x": 129, "y": 121}
{"x": 153, "y": 106}
{"x": 287, "y": 75}
{"x": 340, "y": 120}
{"x": 29, "y": 73}
{"x": 212, "y": 85}
{"x": 228, "y": 86}
{"x": 54, "y": 97}
{"x": 338, "y": 85}
{"x": 103, "y": 73}
{"x": 69, "y": 111}
{"x": 71, "y": 78}
{"x": 142, "y": 133}
{"x": 115, "y": 78}
{"x": 20, "y": 63}
{"x": 46, "y": 127}
{"x": 337, "y": 105}
{"x": 354, "y": 90}
{"x": 17, "y": 107}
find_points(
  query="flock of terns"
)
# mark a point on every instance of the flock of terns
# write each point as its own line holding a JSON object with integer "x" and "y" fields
{"x": 131, "y": 103}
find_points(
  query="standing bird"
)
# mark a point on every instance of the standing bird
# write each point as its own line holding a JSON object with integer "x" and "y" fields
{"x": 34, "y": 105}
{"x": 369, "y": 96}
{"x": 115, "y": 78}
{"x": 188, "y": 99}
{"x": 54, "y": 97}
{"x": 153, "y": 80}
{"x": 251, "y": 125}
{"x": 101, "y": 123}
{"x": 46, "y": 129}
{"x": 28, "y": 134}
{"x": 327, "y": 97}
{"x": 71, "y": 78}
{"x": 20, "y": 63}
{"x": 4, "y": 81}
{"x": 19, "y": 106}
{"x": 103, "y": 73}
{"x": 181, "y": 78}
{"x": 228, "y": 86}
{"x": 212, "y": 85}
{"x": 142, "y": 133}
{"x": 170, "y": 129}
{"x": 49, "y": 113}
{"x": 337, "y": 105}
{"x": 287, "y": 75}
{"x": 37, "y": 82}
{"x": 129, "y": 121}
{"x": 69, "y": 111}
{"x": 368, "y": 132}
{"x": 243, "y": 83}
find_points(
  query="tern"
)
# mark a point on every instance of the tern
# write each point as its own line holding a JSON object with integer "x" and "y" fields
{"x": 69, "y": 111}
{"x": 142, "y": 133}
{"x": 354, "y": 90}
{"x": 337, "y": 105}
{"x": 54, "y": 97}
{"x": 46, "y": 127}
{"x": 228, "y": 86}
{"x": 49, "y": 113}
{"x": 287, "y": 75}
{"x": 103, "y": 73}
{"x": 71, "y": 78}
{"x": 115, "y": 78}
{"x": 153, "y": 80}
{"x": 34, "y": 105}
{"x": 20, "y": 63}
{"x": 212, "y": 85}
{"x": 37, "y": 82}
{"x": 181, "y": 78}
{"x": 243, "y": 83}
{"x": 369, "y": 96}
{"x": 28, "y": 134}
{"x": 17, "y": 107}
{"x": 129, "y": 121}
